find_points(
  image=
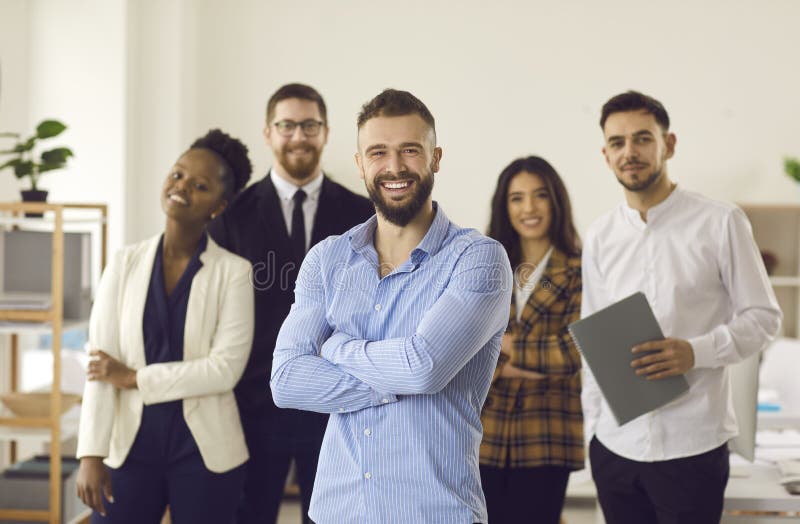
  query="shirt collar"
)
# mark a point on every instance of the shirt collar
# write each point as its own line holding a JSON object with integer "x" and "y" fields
{"x": 655, "y": 212}
{"x": 364, "y": 235}
{"x": 434, "y": 238}
{"x": 286, "y": 189}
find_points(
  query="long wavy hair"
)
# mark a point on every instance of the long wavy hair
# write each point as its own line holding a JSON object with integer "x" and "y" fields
{"x": 562, "y": 233}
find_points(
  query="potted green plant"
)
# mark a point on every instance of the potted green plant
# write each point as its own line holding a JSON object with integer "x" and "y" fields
{"x": 792, "y": 167}
{"x": 25, "y": 164}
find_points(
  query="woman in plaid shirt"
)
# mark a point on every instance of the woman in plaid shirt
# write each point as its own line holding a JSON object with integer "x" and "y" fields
{"x": 532, "y": 420}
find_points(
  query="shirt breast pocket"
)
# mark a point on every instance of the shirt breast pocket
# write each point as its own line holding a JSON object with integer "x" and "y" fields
{"x": 697, "y": 277}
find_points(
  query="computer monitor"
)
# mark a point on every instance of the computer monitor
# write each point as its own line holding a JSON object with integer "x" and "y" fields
{"x": 744, "y": 389}
{"x": 27, "y": 258}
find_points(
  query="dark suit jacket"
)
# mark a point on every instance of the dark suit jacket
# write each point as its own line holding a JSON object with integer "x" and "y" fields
{"x": 253, "y": 227}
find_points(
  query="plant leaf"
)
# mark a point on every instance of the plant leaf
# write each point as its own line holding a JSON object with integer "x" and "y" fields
{"x": 58, "y": 155}
{"x": 49, "y": 128}
{"x": 22, "y": 147}
{"x": 51, "y": 166}
{"x": 23, "y": 169}
{"x": 792, "y": 167}
{"x": 11, "y": 163}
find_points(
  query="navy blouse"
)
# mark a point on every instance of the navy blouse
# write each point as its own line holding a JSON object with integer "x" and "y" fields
{"x": 163, "y": 434}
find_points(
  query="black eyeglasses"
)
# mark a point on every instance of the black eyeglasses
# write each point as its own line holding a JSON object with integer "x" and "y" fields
{"x": 309, "y": 127}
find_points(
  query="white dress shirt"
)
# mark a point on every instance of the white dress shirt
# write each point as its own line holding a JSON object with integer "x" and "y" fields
{"x": 286, "y": 191}
{"x": 697, "y": 262}
{"x": 523, "y": 290}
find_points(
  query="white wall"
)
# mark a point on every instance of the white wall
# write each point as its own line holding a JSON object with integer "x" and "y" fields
{"x": 160, "y": 104}
{"x": 14, "y": 37}
{"x": 139, "y": 80}
{"x": 513, "y": 78}
{"x": 77, "y": 75}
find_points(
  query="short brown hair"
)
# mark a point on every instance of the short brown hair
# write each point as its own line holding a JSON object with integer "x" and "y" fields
{"x": 635, "y": 101}
{"x": 300, "y": 91}
{"x": 393, "y": 102}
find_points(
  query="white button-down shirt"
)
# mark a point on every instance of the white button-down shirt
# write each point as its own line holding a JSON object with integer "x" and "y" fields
{"x": 286, "y": 191}
{"x": 696, "y": 261}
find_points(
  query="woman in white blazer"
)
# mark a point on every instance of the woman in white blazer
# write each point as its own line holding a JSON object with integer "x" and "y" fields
{"x": 170, "y": 334}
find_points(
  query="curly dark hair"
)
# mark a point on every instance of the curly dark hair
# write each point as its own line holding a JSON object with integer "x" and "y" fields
{"x": 233, "y": 156}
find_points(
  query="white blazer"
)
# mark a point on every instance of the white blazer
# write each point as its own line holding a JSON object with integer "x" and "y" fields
{"x": 217, "y": 338}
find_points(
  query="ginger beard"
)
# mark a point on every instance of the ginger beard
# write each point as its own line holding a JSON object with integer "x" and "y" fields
{"x": 299, "y": 160}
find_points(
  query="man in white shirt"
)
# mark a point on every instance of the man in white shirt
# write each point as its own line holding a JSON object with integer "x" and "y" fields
{"x": 696, "y": 261}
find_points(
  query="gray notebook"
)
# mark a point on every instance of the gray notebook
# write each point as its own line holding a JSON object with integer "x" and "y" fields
{"x": 605, "y": 339}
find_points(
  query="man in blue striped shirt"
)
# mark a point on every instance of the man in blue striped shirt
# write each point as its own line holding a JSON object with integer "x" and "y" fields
{"x": 395, "y": 331}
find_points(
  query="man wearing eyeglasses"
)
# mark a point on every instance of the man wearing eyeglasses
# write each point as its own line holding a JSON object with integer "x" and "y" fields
{"x": 273, "y": 223}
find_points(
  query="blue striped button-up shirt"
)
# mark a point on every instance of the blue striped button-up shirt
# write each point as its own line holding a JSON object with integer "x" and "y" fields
{"x": 403, "y": 364}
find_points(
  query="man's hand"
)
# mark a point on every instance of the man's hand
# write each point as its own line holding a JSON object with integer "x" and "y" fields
{"x": 107, "y": 369}
{"x": 669, "y": 357}
{"x": 93, "y": 483}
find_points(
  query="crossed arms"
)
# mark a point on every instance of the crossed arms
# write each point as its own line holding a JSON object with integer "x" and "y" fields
{"x": 317, "y": 368}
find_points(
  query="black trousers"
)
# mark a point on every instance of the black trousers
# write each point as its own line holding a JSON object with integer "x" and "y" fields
{"x": 688, "y": 490}
{"x": 524, "y": 495}
{"x": 195, "y": 495}
{"x": 270, "y": 457}
{"x": 164, "y": 467}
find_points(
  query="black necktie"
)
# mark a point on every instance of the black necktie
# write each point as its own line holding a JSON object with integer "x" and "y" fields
{"x": 299, "y": 225}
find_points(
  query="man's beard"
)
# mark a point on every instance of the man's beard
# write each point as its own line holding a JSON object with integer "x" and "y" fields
{"x": 641, "y": 185}
{"x": 299, "y": 168}
{"x": 401, "y": 215}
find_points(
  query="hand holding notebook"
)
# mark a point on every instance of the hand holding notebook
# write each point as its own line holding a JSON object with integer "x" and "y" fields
{"x": 606, "y": 339}
{"x": 663, "y": 358}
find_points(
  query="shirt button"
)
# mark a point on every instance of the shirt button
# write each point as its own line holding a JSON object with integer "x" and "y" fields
{"x": 341, "y": 410}
{"x": 377, "y": 307}
{"x": 385, "y": 400}
{"x": 367, "y": 475}
{"x": 368, "y": 432}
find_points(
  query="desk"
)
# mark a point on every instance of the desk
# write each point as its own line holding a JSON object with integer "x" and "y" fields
{"x": 784, "y": 419}
{"x": 758, "y": 489}
{"x": 752, "y": 487}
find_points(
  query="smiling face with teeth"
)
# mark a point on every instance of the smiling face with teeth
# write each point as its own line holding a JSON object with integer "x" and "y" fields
{"x": 297, "y": 156}
{"x": 194, "y": 190}
{"x": 397, "y": 158}
{"x": 529, "y": 207}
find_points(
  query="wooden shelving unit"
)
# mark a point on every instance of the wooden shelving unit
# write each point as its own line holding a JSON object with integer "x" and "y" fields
{"x": 776, "y": 229}
{"x": 54, "y": 217}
